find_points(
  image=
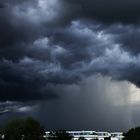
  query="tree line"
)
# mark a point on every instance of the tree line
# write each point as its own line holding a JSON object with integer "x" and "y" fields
{"x": 31, "y": 129}
{"x": 132, "y": 134}
{"x": 22, "y": 129}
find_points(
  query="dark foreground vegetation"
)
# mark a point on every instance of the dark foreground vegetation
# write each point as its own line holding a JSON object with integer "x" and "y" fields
{"x": 133, "y": 134}
{"x": 22, "y": 129}
{"x": 30, "y": 129}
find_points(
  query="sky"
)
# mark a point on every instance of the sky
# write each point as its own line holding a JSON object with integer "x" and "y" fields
{"x": 71, "y": 64}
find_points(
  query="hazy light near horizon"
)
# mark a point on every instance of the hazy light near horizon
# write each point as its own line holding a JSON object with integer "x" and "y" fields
{"x": 135, "y": 94}
{"x": 122, "y": 93}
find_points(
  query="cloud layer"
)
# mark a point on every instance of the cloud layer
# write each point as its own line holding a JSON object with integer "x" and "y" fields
{"x": 46, "y": 43}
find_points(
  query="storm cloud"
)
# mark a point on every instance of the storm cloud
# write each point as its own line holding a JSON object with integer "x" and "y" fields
{"x": 126, "y": 11}
{"x": 47, "y": 46}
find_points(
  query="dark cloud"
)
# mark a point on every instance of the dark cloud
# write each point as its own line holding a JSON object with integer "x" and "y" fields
{"x": 18, "y": 84}
{"x": 128, "y": 36}
{"x": 126, "y": 11}
{"x": 47, "y": 48}
{"x": 111, "y": 11}
{"x": 15, "y": 30}
{"x": 65, "y": 56}
{"x": 1, "y": 5}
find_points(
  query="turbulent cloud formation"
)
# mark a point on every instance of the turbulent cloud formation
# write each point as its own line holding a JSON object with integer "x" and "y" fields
{"x": 50, "y": 45}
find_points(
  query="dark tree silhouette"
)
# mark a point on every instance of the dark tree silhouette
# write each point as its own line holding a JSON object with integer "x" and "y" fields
{"x": 133, "y": 134}
{"x": 23, "y": 129}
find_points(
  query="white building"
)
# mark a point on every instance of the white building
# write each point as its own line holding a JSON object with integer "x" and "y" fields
{"x": 117, "y": 136}
{"x": 93, "y": 135}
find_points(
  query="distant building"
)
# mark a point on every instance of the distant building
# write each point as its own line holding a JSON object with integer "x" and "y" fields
{"x": 93, "y": 135}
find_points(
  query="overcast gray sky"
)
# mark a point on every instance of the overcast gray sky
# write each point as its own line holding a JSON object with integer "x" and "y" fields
{"x": 71, "y": 64}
